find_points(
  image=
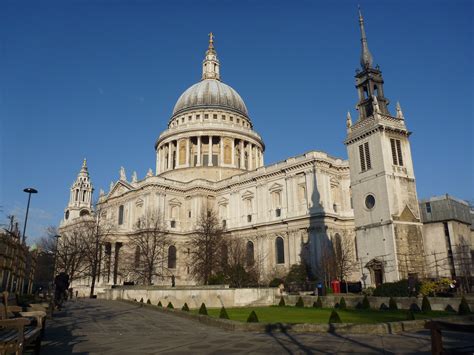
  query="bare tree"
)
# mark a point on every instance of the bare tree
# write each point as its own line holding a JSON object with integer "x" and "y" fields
{"x": 344, "y": 252}
{"x": 242, "y": 267}
{"x": 327, "y": 269}
{"x": 148, "y": 249}
{"x": 207, "y": 247}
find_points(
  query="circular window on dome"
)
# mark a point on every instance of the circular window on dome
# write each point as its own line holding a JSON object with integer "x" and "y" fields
{"x": 370, "y": 201}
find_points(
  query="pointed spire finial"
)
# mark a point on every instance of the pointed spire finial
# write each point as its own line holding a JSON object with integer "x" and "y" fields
{"x": 375, "y": 104}
{"x": 365, "y": 56}
{"x": 399, "y": 111}
{"x": 210, "y": 65}
{"x": 348, "y": 120}
{"x": 84, "y": 163}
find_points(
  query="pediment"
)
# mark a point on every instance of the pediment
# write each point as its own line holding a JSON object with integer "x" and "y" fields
{"x": 139, "y": 202}
{"x": 119, "y": 189}
{"x": 223, "y": 201}
{"x": 407, "y": 215}
{"x": 174, "y": 202}
{"x": 276, "y": 187}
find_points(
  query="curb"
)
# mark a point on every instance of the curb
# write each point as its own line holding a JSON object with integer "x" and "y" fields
{"x": 338, "y": 328}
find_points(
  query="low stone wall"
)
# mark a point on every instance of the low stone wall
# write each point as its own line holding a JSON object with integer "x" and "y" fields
{"x": 437, "y": 303}
{"x": 212, "y": 296}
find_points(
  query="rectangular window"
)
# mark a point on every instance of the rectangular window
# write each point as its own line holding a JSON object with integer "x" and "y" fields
{"x": 249, "y": 218}
{"x": 198, "y": 117}
{"x": 278, "y": 212}
{"x": 428, "y": 207}
{"x": 173, "y": 224}
{"x": 120, "y": 215}
{"x": 206, "y": 116}
{"x": 214, "y": 116}
{"x": 367, "y": 156}
{"x": 223, "y": 117}
{"x": 399, "y": 151}
{"x": 364, "y": 154}
{"x": 394, "y": 151}
{"x": 224, "y": 223}
{"x": 362, "y": 157}
{"x": 231, "y": 119}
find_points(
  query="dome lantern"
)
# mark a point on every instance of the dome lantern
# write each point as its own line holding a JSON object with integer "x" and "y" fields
{"x": 210, "y": 65}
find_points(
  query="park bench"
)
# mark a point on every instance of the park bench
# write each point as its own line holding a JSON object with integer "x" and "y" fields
{"x": 19, "y": 329}
{"x": 437, "y": 339}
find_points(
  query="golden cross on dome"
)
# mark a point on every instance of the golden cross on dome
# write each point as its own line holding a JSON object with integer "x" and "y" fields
{"x": 211, "y": 37}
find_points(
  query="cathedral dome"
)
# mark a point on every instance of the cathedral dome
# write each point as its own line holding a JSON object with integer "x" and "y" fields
{"x": 210, "y": 93}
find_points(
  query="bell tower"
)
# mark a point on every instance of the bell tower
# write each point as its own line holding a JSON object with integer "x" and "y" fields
{"x": 80, "y": 198}
{"x": 387, "y": 219}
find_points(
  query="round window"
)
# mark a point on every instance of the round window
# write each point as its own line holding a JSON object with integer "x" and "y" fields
{"x": 370, "y": 201}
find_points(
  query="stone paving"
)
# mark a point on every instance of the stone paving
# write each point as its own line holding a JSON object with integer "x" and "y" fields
{"x": 89, "y": 326}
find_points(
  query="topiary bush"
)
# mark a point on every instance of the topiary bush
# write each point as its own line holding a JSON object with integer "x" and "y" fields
{"x": 450, "y": 308}
{"x": 318, "y": 303}
{"x": 425, "y": 304}
{"x": 148, "y": 301}
{"x": 223, "y": 313}
{"x": 464, "y": 307}
{"x": 252, "y": 317}
{"x": 159, "y": 304}
{"x": 170, "y": 305}
{"x": 334, "y": 317}
{"x": 342, "y": 303}
{"x": 299, "y": 303}
{"x": 185, "y": 307}
{"x": 203, "y": 309}
{"x": 365, "y": 303}
{"x": 410, "y": 315}
{"x": 392, "y": 304}
{"x": 384, "y": 307}
{"x": 282, "y": 302}
{"x": 141, "y": 300}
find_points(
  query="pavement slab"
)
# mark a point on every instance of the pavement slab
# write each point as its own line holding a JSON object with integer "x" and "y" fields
{"x": 93, "y": 326}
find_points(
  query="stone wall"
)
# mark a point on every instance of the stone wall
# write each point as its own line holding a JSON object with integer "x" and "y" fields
{"x": 211, "y": 296}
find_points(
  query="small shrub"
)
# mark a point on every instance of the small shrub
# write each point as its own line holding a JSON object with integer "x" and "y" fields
{"x": 170, "y": 305}
{"x": 394, "y": 289}
{"x": 134, "y": 300}
{"x": 450, "y": 308}
{"x": 275, "y": 282}
{"x": 392, "y": 304}
{"x": 252, "y": 317}
{"x": 159, "y": 304}
{"x": 185, "y": 307}
{"x": 414, "y": 308}
{"x": 342, "y": 303}
{"x": 282, "y": 302}
{"x": 148, "y": 301}
{"x": 384, "y": 307}
{"x": 365, "y": 303}
{"x": 223, "y": 314}
{"x": 334, "y": 317}
{"x": 410, "y": 315}
{"x": 428, "y": 288}
{"x": 464, "y": 307}
{"x": 318, "y": 303}
{"x": 203, "y": 309}
{"x": 299, "y": 303}
{"x": 141, "y": 300}
{"x": 425, "y": 304}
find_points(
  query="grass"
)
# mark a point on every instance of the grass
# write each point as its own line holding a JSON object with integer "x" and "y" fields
{"x": 294, "y": 315}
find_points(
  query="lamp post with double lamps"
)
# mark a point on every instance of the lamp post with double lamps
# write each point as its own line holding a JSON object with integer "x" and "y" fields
{"x": 29, "y": 191}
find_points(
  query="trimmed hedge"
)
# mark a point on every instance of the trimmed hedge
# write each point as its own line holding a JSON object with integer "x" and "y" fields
{"x": 392, "y": 304}
{"x": 141, "y": 300}
{"x": 299, "y": 303}
{"x": 365, "y": 303}
{"x": 334, "y": 317}
{"x": 318, "y": 303}
{"x": 394, "y": 289}
{"x": 282, "y": 302}
{"x": 185, "y": 307}
{"x": 159, "y": 304}
{"x": 203, "y": 309}
{"x": 464, "y": 307}
{"x": 252, "y": 317}
{"x": 223, "y": 314}
{"x": 170, "y": 305}
{"x": 148, "y": 301}
{"x": 425, "y": 304}
{"x": 342, "y": 303}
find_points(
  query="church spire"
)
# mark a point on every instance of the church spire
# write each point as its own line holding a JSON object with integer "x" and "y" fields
{"x": 210, "y": 65}
{"x": 365, "y": 56}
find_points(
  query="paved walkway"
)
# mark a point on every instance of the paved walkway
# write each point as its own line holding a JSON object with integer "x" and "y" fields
{"x": 110, "y": 327}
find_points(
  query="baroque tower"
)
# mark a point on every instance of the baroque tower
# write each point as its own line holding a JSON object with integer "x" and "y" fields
{"x": 387, "y": 218}
{"x": 80, "y": 198}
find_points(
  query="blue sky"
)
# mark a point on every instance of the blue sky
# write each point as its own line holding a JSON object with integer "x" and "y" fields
{"x": 99, "y": 79}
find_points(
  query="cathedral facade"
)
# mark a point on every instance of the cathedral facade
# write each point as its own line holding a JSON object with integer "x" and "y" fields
{"x": 210, "y": 157}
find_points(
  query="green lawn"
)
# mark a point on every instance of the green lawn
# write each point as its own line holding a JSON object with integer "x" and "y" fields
{"x": 317, "y": 315}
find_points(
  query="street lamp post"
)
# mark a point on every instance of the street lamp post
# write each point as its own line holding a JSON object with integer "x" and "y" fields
{"x": 29, "y": 191}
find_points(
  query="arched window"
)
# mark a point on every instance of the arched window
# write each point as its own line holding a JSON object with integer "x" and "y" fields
{"x": 83, "y": 196}
{"x": 280, "y": 250}
{"x": 77, "y": 195}
{"x": 172, "y": 257}
{"x": 249, "y": 255}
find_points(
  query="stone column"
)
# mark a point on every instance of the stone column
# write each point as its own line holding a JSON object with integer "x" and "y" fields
{"x": 209, "y": 163}
{"x": 198, "y": 163}
{"x": 177, "y": 154}
{"x": 250, "y": 150}
{"x": 170, "y": 146}
{"x": 116, "y": 260}
{"x": 233, "y": 153}
{"x": 221, "y": 151}
{"x": 242, "y": 160}
{"x": 112, "y": 264}
{"x": 158, "y": 161}
{"x": 188, "y": 153}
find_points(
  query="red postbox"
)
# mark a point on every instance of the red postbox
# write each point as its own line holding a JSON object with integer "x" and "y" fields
{"x": 336, "y": 286}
